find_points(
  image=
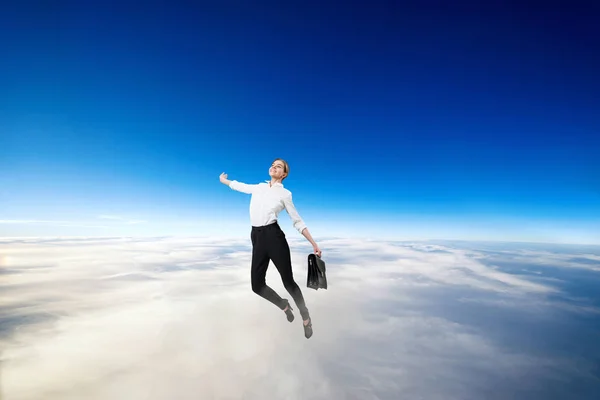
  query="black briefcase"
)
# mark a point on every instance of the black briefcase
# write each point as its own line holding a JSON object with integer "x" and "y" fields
{"x": 316, "y": 273}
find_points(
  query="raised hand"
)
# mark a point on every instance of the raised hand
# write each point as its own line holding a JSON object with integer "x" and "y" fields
{"x": 223, "y": 178}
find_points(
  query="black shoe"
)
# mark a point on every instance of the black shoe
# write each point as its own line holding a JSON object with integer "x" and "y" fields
{"x": 308, "y": 331}
{"x": 288, "y": 313}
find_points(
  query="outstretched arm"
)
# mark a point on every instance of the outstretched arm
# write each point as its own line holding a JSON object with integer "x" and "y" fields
{"x": 235, "y": 185}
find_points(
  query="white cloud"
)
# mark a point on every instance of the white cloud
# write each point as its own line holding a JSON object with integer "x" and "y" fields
{"x": 136, "y": 221}
{"x": 114, "y": 222}
{"x": 175, "y": 318}
{"x": 31, "y": 221}
{"x": 56, "y": 223}
{"x": 544, "y": 258}
{"x": 125, "y": 220}
{"x": 115, "y": 217}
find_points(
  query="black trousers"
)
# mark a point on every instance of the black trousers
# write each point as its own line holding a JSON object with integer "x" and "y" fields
{"x": 269, "y": 244}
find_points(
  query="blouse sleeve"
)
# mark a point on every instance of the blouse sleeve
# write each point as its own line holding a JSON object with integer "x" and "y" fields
{"x": 242, "y": 187}
{"x": 293, "y": 213}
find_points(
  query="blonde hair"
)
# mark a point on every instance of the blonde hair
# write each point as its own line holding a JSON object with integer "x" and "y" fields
{"x": 286, "y": 167}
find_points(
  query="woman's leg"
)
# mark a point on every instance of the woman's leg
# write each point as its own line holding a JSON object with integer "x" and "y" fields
{"x": 260, "y": 263}
{"x": 279, "y": 252}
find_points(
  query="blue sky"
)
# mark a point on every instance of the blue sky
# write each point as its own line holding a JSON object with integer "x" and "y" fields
{"x": 476, "y": 122}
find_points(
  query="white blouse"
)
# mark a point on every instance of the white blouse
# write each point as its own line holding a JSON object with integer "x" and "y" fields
{"x": 267, "y": 202}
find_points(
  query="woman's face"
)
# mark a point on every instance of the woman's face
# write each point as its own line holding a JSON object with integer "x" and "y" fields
{"x": 277, "y": 170}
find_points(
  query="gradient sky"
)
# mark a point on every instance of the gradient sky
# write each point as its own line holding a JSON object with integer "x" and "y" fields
{"x": 416, "y": 121}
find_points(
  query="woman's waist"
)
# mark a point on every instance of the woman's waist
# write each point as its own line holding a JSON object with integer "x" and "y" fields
{"x": 269, "y": 225}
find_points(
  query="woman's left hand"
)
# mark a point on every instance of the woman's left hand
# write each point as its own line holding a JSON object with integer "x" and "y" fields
{"x": 316, "y": 250}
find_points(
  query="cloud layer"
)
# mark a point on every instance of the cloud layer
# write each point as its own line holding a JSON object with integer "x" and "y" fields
{"x": 107, "y": 318}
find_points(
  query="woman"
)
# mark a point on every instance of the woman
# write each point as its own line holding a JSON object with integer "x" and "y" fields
{"x": 268, "y": 240}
